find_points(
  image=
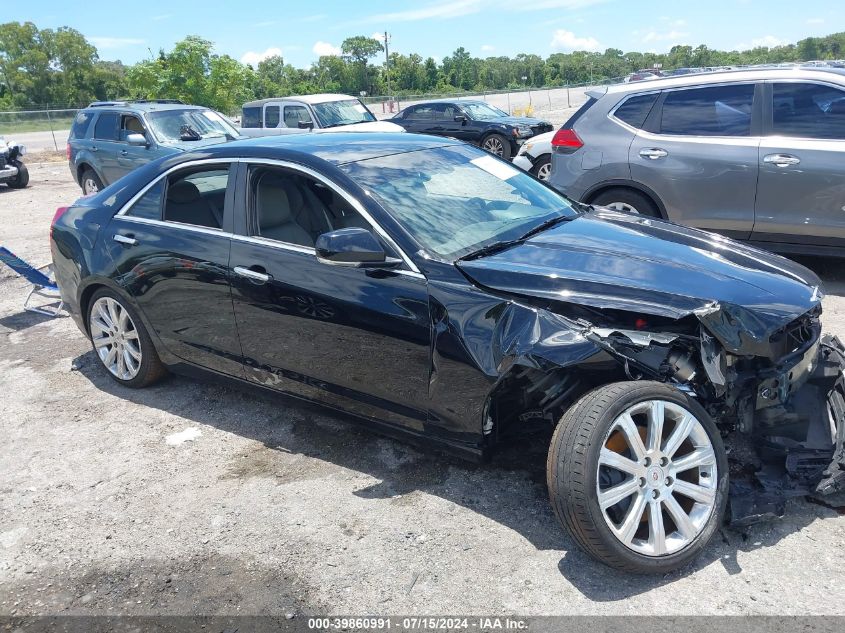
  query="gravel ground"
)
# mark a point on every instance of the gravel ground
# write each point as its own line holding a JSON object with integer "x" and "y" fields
{"x": 192, "y": 498}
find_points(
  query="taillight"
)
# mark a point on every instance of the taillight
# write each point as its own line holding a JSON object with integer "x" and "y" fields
{"x": 567, "y": 138}
{"x": 59, "y": 213}
{"x": 67, "y": 151}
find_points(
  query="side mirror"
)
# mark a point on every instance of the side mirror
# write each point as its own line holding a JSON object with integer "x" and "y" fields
{"x": 137, "y": 139}
{"x": 306, "y": 125}
{"x": 460, "y": 118}
{"x": 355, "y": 247}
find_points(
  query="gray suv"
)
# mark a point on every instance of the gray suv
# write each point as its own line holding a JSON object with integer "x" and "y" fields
{"x": 756, "y": 155}
{"x": 109, "y": 139}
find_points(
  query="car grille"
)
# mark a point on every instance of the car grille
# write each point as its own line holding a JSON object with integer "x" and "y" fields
{"x": 542, "y": 128}
{"x": 798, "y": 334}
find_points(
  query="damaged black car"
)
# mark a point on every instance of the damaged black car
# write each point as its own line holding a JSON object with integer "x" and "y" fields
{"x": 433, "y": 291}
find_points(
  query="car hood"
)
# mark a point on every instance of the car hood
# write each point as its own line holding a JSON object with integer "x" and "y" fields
{"x": 368, "y": 126}
{"x": 187, "y": 146}
{"x": 518, "y": 120}
{"x": 611, "y": 260}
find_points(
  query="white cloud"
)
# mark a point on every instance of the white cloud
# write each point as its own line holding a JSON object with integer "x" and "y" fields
{"x": 253, "y": 58}
{"x": 487, "y": 48}
{"x": 441, "y": 10}
{"x": 115, "y": 42}
{"x": 564, "y": 40}
{"x": 324, "y": 48}
{"x": 815, "y": 21}
{"x": 669, "y": 36}
{"x": 769, "y": 41}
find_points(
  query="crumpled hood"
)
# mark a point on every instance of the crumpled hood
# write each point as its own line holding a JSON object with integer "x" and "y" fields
{"x": 519, "y": 120}
{"x": 606, "y": 259}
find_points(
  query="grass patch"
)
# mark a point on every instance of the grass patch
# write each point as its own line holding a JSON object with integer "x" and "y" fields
{"x": 40, "y": 124}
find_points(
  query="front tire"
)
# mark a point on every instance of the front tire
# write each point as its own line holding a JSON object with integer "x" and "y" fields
{"x": 638, "y": 475}
{"x": 628, "y": 200}
{"x": 22, "y": 179}
{"x": 121, "y": 342}
{"x": 497, "y": 145}
{"x": 543, "y": 168}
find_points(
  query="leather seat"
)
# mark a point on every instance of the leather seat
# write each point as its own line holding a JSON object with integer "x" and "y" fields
{"x": 186, "y": 204}
{"x": 275, "y": 215}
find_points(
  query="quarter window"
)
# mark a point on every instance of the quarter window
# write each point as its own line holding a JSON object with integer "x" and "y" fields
{"x": 251, "y": 117}
{"x": 197, "y": 197}
{"x": 80, "y": 125}
{"x": 808, "y": 111}
{"x": 716, "y": 111}
{"x": 106, "y": 126}
{"x": 635, "y": 110}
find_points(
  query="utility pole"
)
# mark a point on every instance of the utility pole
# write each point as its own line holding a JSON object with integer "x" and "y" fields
{"x": 387, "y": 61}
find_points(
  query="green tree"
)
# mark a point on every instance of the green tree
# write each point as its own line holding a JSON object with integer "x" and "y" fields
{"x": 359, "y": 50}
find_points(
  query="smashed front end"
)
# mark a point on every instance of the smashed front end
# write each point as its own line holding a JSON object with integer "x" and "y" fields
{"x": 777, "y": 395}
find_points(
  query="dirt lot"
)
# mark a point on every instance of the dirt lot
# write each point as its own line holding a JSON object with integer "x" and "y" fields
{"x": 190, "y": 498}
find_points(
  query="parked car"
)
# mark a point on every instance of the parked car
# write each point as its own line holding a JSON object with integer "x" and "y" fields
{"x": 297, "y": 114}
{"x": 473, "y": 121}
{"x": 108, "y": 139}
{"x": 432, "y": 290}
{"x": 641, "y": 75}
{"x": 535, "y": 156}
{"x": 12, "y": 170}
{"x": 756, "y": 154}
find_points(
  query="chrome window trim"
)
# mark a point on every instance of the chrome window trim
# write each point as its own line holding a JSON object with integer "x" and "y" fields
{"x": 348, "y": 197}
{"x": 178, "y": 225}
{"x": 612, "y": 114}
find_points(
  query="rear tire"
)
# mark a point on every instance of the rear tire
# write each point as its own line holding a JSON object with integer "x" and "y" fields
{"x": 497, "y": 145}
{"x": 627, "y": 200}
{"x": 90, "y": 182}
{"x": 22, "y": 179}
{"x": 121, "y": 341}
{"x": 627, "y": 502}
{"x": 543, "y": 167}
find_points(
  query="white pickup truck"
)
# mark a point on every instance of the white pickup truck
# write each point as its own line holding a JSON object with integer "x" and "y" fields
{"x": 292, "y": 115}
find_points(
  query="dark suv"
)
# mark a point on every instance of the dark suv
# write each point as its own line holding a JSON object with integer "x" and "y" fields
{"x": 108, "y": 139}
{"x": 474, "y": 121}
{"x": 754, "y": 154}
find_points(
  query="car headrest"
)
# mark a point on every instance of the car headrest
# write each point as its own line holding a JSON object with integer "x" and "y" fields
{"x": 183, "y": 192}
{"x": 272, "y": 203}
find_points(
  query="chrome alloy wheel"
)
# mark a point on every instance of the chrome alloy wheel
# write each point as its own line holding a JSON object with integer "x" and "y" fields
{"x": 657, "y": 478}
{"x": 115, "y": 338}
{"x": 493, "y": 144}
{"x": 622, "y": 206}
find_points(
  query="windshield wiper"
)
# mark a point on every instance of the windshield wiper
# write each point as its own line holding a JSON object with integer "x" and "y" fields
{"x": 495, "y": 247}
{"x": 545, "y": 226}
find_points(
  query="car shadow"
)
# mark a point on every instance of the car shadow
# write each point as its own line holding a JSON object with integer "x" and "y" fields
{"x": 23, "y": 320}
{"x": 510, "y": 490}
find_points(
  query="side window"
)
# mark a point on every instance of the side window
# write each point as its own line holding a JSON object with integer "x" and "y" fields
{"x": 422, "y": 113}
{"x": 808, "y": 111}
{"x": 635, "y": 110}
{"x": 130, "y": 124}
{"x": 716, "y": 111}
{"x": 295, "y": 114}
{"x": 295, "y": 209}
{"x": 197, "y": 197}
{"x": 251, "y": 117}
{"x": 148, "y": 206}
{"x": 272, "y": 116}
{"x": 81, "y": 124}
{"x": 106, "y": 126}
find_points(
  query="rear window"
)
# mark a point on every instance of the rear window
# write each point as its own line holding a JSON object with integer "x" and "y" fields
{"x": 579, "y": 113}
{"x": 81, "y": 124}
{"x": 106, "y": 126}
{"x": 635, "y": 110}
{"x": 251, "y": 117}
{"x": 716, "y": 111}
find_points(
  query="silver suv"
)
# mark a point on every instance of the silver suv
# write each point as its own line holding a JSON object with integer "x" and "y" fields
{"x": 757, "y": 155}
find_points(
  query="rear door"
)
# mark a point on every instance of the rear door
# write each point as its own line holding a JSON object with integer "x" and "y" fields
{"x": 698, "y": 153}
{"x": 171, "y": 249}
{"x": 106, "y": 147}
{"x": 801, "y": 190}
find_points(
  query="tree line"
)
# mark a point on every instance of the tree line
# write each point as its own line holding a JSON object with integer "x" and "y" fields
{"x": 42, "y": 68}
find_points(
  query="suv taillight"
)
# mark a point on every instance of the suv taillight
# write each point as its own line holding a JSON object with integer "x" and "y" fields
{"x": 567, "y": 139}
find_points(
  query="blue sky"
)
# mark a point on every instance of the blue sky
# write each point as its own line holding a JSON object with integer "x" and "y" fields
{"x": 301, "y": 31}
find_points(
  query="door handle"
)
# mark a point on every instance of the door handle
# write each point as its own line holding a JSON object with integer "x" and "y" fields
{"x": 252, "y": 275}
{"x": 653, "y": 153}
{"x": 123, "y": 152}
{"x": 93, "y": 148}
{"x": 125, "y": 239}
{"x": 781, "y": 160}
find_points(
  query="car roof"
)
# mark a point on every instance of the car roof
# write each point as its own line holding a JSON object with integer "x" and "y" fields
{"x": 318, "y": 98}
{"x": 337, "y": 148}
{"x": 722, "y": 76}
{"x": 455, "y": 100}
{"x": 142, "y": 106}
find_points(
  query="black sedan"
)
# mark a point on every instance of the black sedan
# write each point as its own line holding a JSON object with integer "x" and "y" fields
{"x": 432, "y": 290}
{"x": 476, "y": 122}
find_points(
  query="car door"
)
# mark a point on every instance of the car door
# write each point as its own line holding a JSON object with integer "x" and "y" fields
{"x": 354, "y": 338}
{"x": 106, "y": 146}
{"x": 170, "y": 247}
{"x": 801, "y": 189}
{"x": 420, "y": 119}
{"x": 444, "y": 121}
{"x": 698, "y": 153}
{"x": 133, "y": 156}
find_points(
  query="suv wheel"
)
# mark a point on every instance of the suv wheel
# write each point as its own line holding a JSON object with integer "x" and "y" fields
{"x": 498, "y": 145}
{"x": 90, "y": 182}
{"x": 638, "y": 475}
{"x": 628, "y": 200}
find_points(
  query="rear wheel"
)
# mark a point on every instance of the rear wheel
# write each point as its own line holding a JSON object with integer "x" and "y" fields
{"x": 628, "y": 200}
{"x": 498, "y": 145}
{"x": 22, "y": 179}
{"x": 121, "y": 342}
{"x": 543, "y": 167}
{"x": 638, "y": 475}
{"x": 90, "y": 182}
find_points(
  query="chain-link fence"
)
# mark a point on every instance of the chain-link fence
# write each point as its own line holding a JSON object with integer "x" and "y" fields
{"x": 41, "y": 130}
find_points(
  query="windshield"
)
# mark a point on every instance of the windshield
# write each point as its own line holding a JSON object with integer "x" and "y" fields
{"x": 456, "y": 199}
{"x": 167, "y": 124}
{"x": 482, "y": 111}
{"x": 337, "y": 113}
